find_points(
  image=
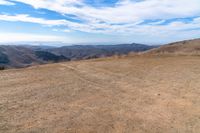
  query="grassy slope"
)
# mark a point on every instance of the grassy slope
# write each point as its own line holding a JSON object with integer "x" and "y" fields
{"x": 189, "y": 47}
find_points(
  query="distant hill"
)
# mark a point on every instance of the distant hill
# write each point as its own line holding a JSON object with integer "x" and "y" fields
{"x": 77, "y": 52}
{"x": 12, "y": 56}
{"x": 47, "y": 56}
{"x": 188, "y": 47}
{"x": 17, "y": 56}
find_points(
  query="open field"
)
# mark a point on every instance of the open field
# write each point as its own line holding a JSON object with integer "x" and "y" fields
{"x": 112, "y": 95}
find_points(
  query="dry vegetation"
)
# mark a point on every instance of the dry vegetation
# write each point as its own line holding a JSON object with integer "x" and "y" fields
{"x": 113, "y": 95}
{"x": 189, "y": 47}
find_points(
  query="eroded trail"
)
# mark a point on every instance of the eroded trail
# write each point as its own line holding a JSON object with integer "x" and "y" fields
{"x": 119, "y": 95}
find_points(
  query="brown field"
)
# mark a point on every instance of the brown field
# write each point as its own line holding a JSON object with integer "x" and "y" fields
{"x": 112, "y": 95}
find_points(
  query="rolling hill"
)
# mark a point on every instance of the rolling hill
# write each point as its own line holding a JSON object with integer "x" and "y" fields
{"x": 78, "y": 52}
{"x": 12, "y": 56}
{"x": 18, "y": 56}
{"x": 187, "y": 47}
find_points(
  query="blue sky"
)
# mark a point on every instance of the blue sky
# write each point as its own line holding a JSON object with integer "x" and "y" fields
{"x": 95, "y": 21}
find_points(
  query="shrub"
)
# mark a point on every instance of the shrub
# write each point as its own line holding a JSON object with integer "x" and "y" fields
{"x": 2, "y": 68}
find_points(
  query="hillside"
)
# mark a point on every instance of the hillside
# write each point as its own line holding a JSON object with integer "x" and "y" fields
{"x": 118, "y": 94}
{"x": 78, "y": 52}
{"x": 12, "y": 56}
{"x": 17, "y": 56}
{"x": 188, "y": 47}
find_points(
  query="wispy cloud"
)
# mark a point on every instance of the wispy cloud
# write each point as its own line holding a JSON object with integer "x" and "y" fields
{"x": 105, "y": 27}
{"x": 127, "y": 17}
{"x": 126, "y": 11}
{"x": 27, "y": 18}
{"x": 5, "y": 2}
{"x": 20, "y": 37}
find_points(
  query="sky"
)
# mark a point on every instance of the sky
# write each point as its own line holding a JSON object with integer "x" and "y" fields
{"x": 99, "y": 21}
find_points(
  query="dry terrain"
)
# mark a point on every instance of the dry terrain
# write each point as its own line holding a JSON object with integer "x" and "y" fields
{"x": 113, "y": 95}
{"x": 187, "y": 47}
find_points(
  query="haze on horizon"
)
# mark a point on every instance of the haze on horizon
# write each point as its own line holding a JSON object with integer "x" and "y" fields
{"x": 98, "y": 21}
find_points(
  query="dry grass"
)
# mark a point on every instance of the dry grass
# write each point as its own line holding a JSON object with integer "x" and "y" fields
{"x": 189, "y": 47}
{"x": 113, "y": 95}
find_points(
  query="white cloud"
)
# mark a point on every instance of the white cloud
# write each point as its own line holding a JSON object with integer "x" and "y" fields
{"x": 124, "y": 12}
{"x": 129, "y": 28}
{"x": 62, "y": 22}
{"x": 19, "y": 37}
{"x": 27, "y": 18}
{"x": 59, "y": 30}
{"x": 4, "y": 2}
{"x": 123, "y": 18}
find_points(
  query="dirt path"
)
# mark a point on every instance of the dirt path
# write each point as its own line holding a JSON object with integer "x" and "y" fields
{"x": 126, "y": 95}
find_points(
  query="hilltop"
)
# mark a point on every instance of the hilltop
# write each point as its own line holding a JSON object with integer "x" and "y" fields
{"x": 117, "y": 94}
{"x": 187, "y": 47}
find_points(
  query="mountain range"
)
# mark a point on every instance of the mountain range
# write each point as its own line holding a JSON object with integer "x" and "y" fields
{"x": 16, "y": 56}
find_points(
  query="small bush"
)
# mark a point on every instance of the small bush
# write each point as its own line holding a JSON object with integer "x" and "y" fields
{"x": 2, "y": 68}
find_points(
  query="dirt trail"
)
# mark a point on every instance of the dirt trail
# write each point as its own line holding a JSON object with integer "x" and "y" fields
{"x": 113, "y": 95}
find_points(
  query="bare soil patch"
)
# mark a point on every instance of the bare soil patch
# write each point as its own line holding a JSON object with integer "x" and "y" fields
{"x": 113, "y": 95}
